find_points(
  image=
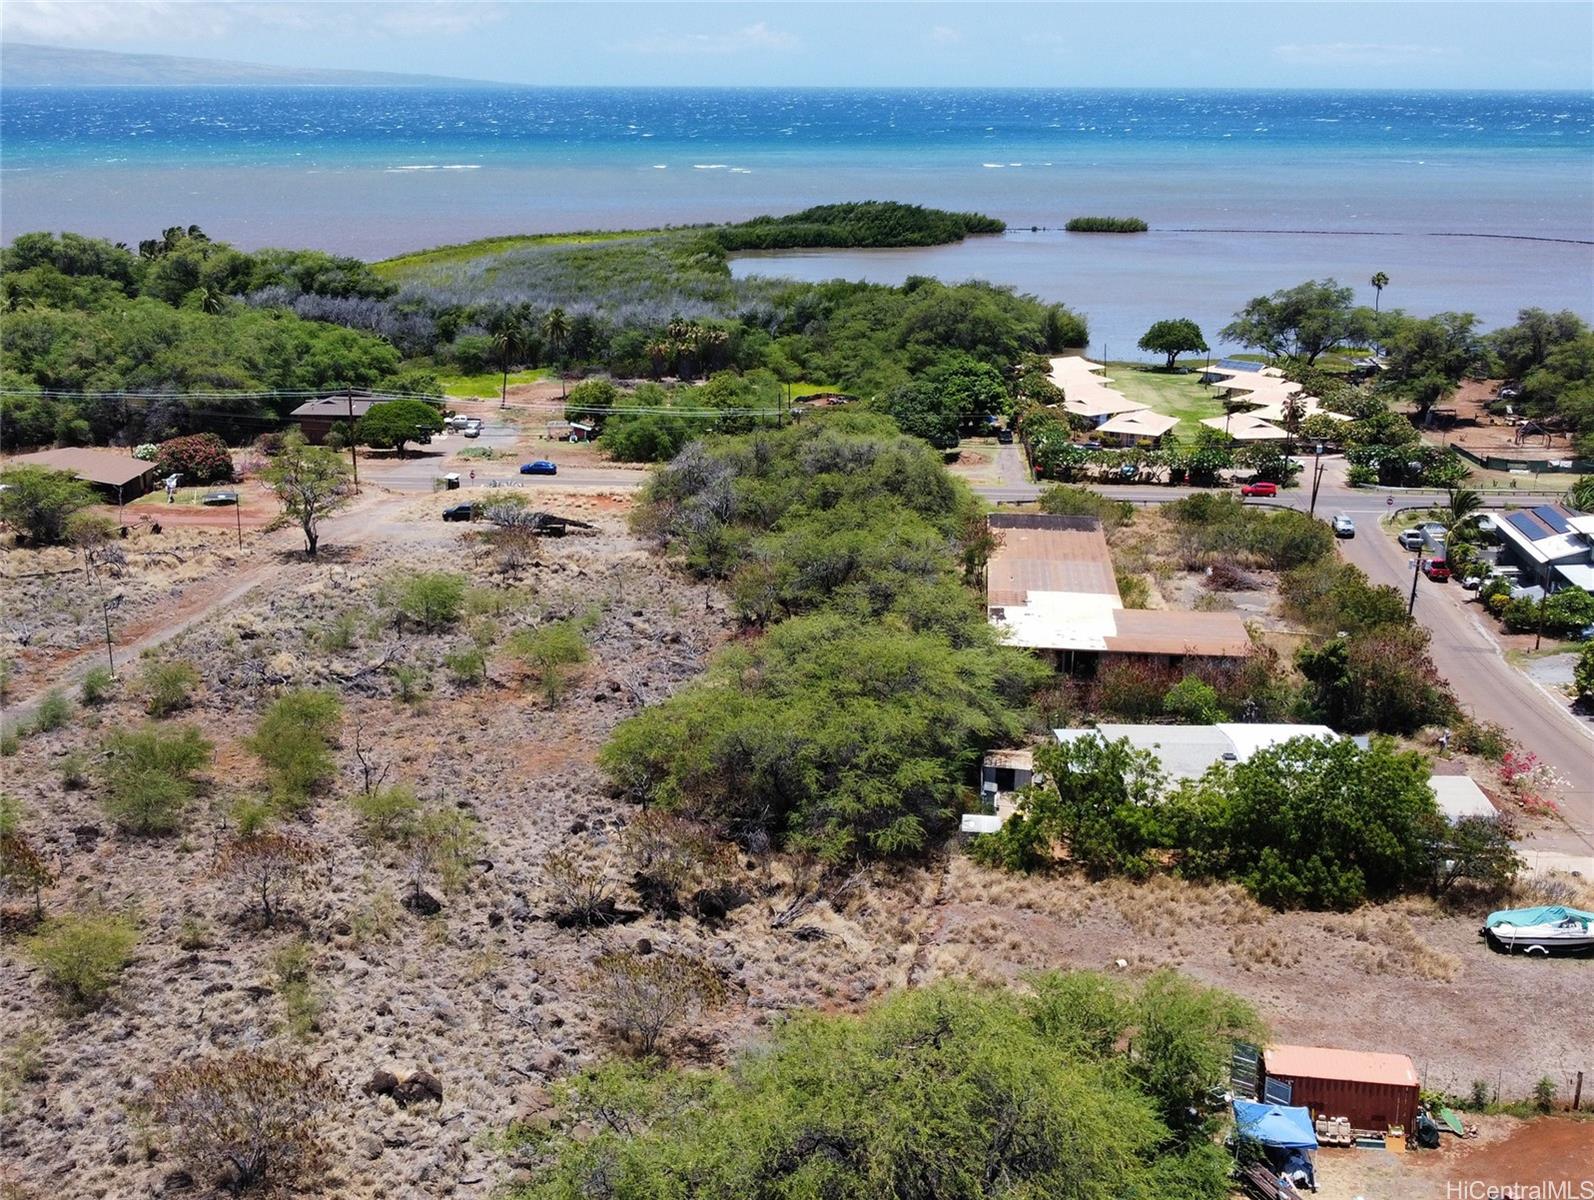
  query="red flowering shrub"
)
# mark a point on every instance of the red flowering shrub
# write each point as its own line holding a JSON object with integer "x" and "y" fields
{"x": 199, "y": 458}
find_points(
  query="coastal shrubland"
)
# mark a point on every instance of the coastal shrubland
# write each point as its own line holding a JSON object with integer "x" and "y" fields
{"x": 936, "y": 1090}
{"x": 189, "y": 319}
{"x": 844, "y": 730}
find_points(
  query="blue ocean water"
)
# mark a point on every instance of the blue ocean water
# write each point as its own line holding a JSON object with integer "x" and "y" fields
{"x": 1361, "y": 179}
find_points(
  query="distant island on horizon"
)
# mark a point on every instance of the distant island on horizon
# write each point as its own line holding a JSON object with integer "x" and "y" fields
{"x": 29, "y": 65}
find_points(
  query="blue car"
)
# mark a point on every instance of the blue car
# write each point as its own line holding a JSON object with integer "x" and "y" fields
{"x": 541, "y": 467}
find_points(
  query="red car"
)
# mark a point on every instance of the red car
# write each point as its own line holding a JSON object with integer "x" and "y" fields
{"x": 1260, "y": 489}
{"x": 1436, "y": 569}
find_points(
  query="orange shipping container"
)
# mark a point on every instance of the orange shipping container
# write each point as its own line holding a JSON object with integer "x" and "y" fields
{"x": 1373, "y": 1091}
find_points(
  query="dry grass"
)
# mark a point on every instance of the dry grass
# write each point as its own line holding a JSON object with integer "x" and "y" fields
{"x": 1388, "y": 945}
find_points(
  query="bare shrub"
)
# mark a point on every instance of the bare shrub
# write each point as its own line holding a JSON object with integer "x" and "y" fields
{"x": 1227, "y": 575}
{"x": 267, "y": 864}
{"x": 644, "y": 996}
{"x": 24, "y": 871}
{"x": 669, "y": 856}
{"x": 247, "y": 1121}
{"x": 440, "y": 841}
{"x": 579, "y": 891}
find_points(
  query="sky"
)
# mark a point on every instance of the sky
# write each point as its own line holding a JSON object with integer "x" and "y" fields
{"x": 1432, "y": 44}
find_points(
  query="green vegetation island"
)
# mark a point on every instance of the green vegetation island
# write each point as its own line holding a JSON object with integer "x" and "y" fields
{"x": 1106, "y": 225}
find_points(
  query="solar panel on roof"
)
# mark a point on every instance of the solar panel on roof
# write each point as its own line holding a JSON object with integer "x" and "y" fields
{"x": 1525, "y": 522}
{"x": 1238, "y": 364}
{"x": 1551, "y": 518}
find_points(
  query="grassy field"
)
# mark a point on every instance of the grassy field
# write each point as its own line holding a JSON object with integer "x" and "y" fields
{"x": 489, "y": 383}
{"x": 1178, "y": 395}
{"x": 395, "y": 269}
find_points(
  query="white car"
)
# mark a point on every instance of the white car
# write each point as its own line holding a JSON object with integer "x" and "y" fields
{"x": 1411, "y": 539}
{"x": 1343, "y": 526}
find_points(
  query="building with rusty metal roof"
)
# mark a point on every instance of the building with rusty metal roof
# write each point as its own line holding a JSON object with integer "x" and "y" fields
{"x": 1050, "y": 587}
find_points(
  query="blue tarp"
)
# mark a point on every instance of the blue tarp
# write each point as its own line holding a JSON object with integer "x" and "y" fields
{"x": 1552, "y": 914}
{"x": 1275, "y": 1125}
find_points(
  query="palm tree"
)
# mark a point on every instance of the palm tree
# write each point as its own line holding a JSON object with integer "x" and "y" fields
{"x": 1379, "y": 281}
{"x": 1462, "y": 503}
{"x": 509, "y": 339}
{"x": 556, "y": 330}
{"x": 211, "y": 300}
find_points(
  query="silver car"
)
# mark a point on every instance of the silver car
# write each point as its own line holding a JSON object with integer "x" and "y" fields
{"x": 1344, "y": 527}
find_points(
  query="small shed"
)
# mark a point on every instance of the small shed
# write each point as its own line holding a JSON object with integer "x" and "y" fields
{"x": 1373, "y": 1091}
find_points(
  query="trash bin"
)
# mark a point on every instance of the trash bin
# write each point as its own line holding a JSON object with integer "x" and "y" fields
{"x": 451, "y": 481}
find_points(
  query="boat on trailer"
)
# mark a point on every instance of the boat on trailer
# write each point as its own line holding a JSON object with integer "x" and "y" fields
{"x": 1551, "y": 929}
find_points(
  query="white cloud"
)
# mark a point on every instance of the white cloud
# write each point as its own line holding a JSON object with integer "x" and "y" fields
{"x": 1358, "y": 54}
{"x": 56, "y": 21}
{"x": 93, "y": 22}
{"x": 944, "y": 35}
{"x": 736, "y": 41}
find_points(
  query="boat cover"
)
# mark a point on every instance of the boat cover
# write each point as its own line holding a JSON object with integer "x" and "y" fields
{"x": 1275, "y": 1124}
{"x": 1550, "y": 914}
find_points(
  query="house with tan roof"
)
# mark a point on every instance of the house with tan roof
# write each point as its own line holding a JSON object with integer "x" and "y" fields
{"x": 1051, "y": 588}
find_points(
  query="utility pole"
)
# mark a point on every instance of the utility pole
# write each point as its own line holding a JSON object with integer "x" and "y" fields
{"x": 238, "y": 512}
{"x": 354, "y": 449}
{"x": 1416, "y": 569}
{"x": 1317, "y": 479}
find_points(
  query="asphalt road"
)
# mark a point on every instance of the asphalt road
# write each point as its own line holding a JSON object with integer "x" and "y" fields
{"x": 1486, "y": 685}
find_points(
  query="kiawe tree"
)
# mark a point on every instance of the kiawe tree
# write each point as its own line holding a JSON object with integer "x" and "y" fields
{"x": 1302, "y": 322}
{"x": 1428, "y": 357}
{"x": 392, "y": 424}
{"x": 310, "y": 481}
{"x": 1173, "y": 337}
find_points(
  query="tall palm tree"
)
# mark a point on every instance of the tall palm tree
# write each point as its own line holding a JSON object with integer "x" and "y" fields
{"x": 1379, "y": 281}
{"x": 509, "y": 340}
{"x": 556, "y": 330}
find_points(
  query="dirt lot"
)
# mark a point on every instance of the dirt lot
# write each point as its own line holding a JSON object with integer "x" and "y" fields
{"x": 1483, "y": 433}
{"x": 51, "y": 602}
{"x": 1508, "y": 1155}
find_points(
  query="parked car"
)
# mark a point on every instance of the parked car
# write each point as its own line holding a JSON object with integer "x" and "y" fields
{"x": 460, "y": 512}
{"x": 541, "y": 467}
{"x": 472, "y": 431}
{"x": 1260, "y": 488}
{"x": 1472, "y": 582}
{"x": 1436, "y": 569}
{"x": 226, "y": 496}
{"x": 1344, "y": 527}
{"x": 1411, "y": 539}
{"x": 1004, "y": 436}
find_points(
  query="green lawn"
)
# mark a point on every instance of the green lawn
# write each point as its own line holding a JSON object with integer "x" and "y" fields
{"x": 1178, "y": 395}
{"x": 801, "y": 390}
{"x": 489, "y": 383}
